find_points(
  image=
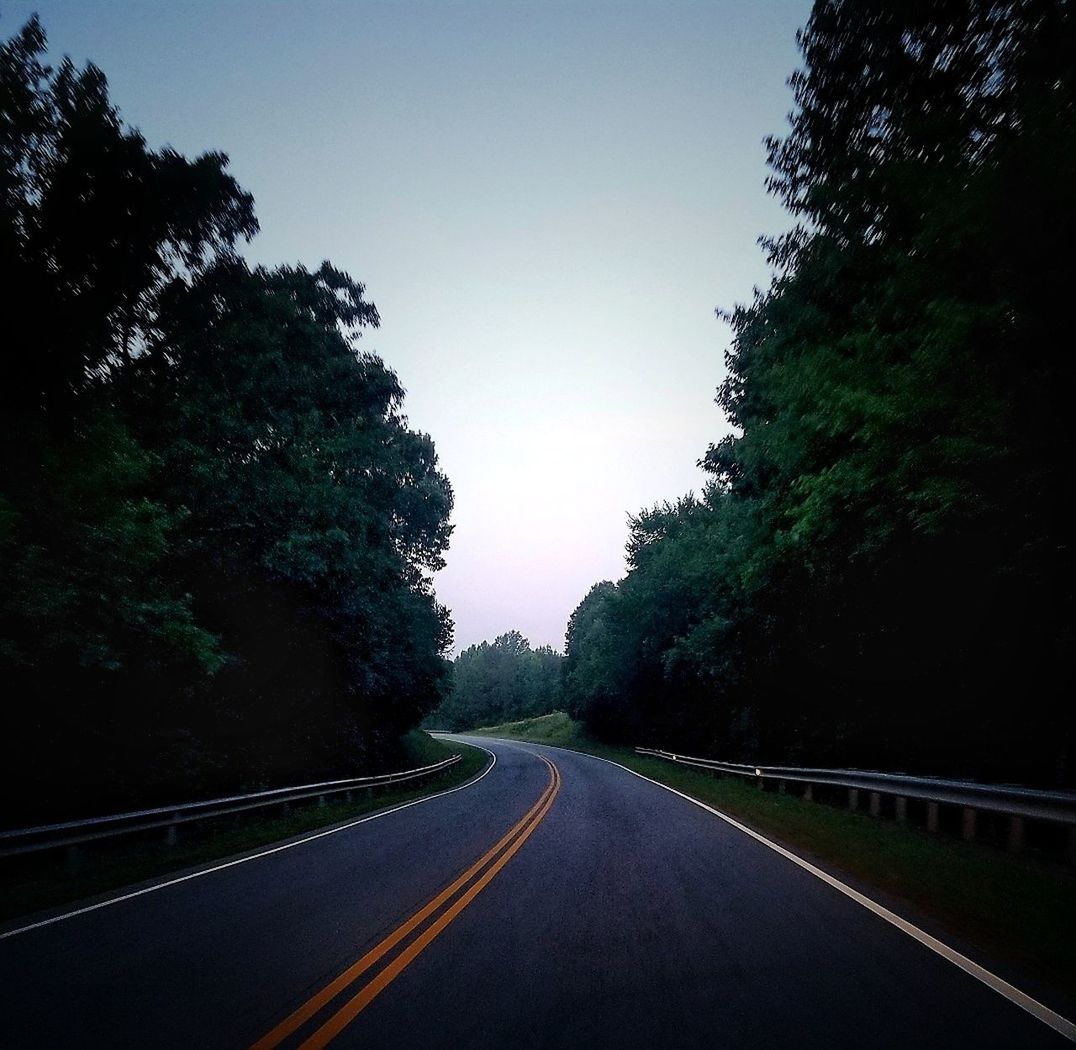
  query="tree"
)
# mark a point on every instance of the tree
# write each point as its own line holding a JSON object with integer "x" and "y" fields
{"x": 309, "y": 500}
{"x": 899, "y": 387}
{"x": 93, "y": 227}
{"x": 501, "y": 681}
{"x": 881, "y": 569}
{"x": 217, "y": 531}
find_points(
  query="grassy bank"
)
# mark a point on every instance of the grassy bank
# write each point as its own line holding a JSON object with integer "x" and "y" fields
{"x": 1014, "y": 908}
{"x": 37, "y": 881}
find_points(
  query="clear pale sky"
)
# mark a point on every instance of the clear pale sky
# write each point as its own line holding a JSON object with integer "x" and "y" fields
{"x": 546, "y": 201}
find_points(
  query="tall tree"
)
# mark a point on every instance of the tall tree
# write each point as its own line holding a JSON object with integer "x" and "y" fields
{"x": 93, "y": 226}
{"x": 309, "y": 500}
{"x": 217, "y": 531}
{"x": 900, "y": 385}
{"x": 886, "y": 575}
{"x": 501, "y": 681}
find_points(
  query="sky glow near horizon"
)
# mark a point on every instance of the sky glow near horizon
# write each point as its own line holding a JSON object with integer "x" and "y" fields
{"x": 546, "y": 203}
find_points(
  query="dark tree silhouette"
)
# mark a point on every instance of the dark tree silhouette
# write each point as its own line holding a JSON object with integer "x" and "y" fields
{"x": 882, "y": 574}
{"x": 216, "y": 529}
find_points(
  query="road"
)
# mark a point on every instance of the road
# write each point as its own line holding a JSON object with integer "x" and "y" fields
{"x": 614, "y": 914}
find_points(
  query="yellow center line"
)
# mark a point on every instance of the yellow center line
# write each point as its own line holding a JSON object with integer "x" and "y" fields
{"x": 351, "y": 1009}
{"x": 316, "y": 1002}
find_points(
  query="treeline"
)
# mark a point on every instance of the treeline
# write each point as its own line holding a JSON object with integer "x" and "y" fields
{"x": 500, "y": 681}
{"x": 881, "y": 572}
{"x": 216, "y": 529}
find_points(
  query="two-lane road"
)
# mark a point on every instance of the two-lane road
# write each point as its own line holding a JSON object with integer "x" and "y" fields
{"x": 558, "y": 901}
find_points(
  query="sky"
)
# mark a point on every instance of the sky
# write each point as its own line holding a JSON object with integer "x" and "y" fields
{"x": 546, "y": 202}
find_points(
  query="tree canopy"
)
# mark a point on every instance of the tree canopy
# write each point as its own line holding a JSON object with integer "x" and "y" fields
{"x": 216, "y": 528}
{"x": 500, "y": 681}
{"x": 879, "y": 573}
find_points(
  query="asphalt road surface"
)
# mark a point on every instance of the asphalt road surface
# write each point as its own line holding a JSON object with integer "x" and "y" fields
{"x": 557, "y": 902}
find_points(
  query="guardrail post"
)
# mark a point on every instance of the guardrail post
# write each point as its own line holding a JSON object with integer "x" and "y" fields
{"x": 808, "y": 793}
{"x": 171, "y": 835}
{"x": 967, "y": 825}
{"x": 876, "y": 804}
{"x": 932, "y": 816}
{"x": 902, "y": 809}
{"x": 782, "y": 786}
{"x": 1015, "y": 840}
{"x": 347, "y": 796}
{"x": 321, "y": 801}
{"x": 853, "y": 798}
{"x": 73, "y": 857}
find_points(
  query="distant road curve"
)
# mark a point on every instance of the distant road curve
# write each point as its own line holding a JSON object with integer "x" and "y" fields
{"x": 560, "y": 901}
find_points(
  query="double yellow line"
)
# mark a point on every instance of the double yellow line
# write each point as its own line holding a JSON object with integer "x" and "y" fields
{"x": 471, "y": 883}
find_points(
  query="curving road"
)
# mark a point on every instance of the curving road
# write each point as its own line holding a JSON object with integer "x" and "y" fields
{"x": 558, "y": 901}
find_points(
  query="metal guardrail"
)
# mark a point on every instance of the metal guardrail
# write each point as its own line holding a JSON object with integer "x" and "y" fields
{"x": 1012, "y": 801}
{"x": 74, "y": 832}
{"x": 1016, "y": 803}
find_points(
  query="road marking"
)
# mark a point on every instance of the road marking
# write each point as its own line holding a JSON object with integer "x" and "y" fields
{"x": 350, "y": 1010}
{"x": 254, "y": 856}
{"x": 1039, "y": 1011}
{"x": 519, "y": 831}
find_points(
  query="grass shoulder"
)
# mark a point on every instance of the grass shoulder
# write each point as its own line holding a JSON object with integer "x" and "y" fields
{"x": 37, "y": 881}
{"x": 1014, "y": 908}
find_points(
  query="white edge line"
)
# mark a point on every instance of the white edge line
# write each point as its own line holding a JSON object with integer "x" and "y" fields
{"x": 1037, "y": 1010}
{"x": 253, "y": 856}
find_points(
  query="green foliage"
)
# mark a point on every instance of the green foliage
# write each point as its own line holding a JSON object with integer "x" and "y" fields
{"x": 881, "y": 574}
{"x": 659, "y": 648}
{"x": 216, "y": 529}
{"x": 556, "y": 729}
{"x": 593, "y": 659}
{"x": 83, "y": 586}
{"x": 308, "y": 494}
{"x": 93, "y": 226}
{"x": 498, "y": 681}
